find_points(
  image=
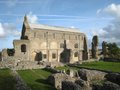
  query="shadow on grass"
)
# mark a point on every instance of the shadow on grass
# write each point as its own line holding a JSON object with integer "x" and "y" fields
{"x": 42, "y": 81}
{"x": 45, "y": 85}
{"x": 7, "y": 83}
{"x": 49, "y": 70}
{"x": 41, "y": 87}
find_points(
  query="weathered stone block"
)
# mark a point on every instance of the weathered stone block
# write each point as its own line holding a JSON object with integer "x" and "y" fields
{"x": 113, "y": 77}
{"x": 90, "y": 75}
{"x": 110, "y": 86}
{"x": 67, "y": 85}
{"x": 56, "y": 79}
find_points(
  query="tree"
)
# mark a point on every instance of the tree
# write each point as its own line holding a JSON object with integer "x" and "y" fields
{"x": 113, "y": 50}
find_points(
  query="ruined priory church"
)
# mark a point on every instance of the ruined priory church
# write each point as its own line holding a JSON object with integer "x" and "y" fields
{"x": 50, "y": 43}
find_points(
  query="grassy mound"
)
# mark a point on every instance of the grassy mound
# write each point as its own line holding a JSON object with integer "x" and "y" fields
{"x": 36, "y": 79}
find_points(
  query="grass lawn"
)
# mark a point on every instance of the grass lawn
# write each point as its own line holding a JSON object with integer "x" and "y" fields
{"x": 109, "y": 66}
{"x": 36, "y": 79}
{"x": 66, "y": 68}
{"x": 7, "y": 82}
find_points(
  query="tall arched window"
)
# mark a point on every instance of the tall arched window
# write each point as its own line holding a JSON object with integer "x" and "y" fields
{"x": 23, "y": 48}
{"x": 76, "y": 45}
{"x": 53, "y": 55}
{"x": 44, "y": 35}
{"x": 76, "y": 54}
{"x": 61, "y": 45}
{"x": 54, "y": 35}
{"x": 76, "y": 37}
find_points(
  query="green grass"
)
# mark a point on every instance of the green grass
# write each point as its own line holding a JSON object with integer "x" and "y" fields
{"x": 36, "y": 79}
{"x": 66, "y": 68}
{"x": 109, "y": 66}
{"x": 7, "y": 81}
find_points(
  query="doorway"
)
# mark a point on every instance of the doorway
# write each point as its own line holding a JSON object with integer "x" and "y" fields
{"x": 38, "y": 56}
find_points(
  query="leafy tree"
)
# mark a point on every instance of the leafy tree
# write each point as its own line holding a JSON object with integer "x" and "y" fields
{"x": 113, "y": 50}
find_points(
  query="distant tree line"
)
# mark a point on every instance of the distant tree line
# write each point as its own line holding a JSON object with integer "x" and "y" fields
{"x": 111, "y": 51}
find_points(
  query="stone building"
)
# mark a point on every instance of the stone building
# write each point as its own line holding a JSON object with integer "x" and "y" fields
{"x": 50, "y": 43}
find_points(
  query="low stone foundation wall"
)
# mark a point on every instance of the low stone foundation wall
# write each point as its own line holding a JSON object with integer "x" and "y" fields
{"x": 111, "y": 60}
{"x": 113, "y": 77}
{"x": 7, "y": 64}
{"x": 56, "y": 79}
{"x": 23, "y": 65}
{"x": 86, "y": 80}
{"x": 106, "y": 86}
{"x": 68, "y": 85}
{"x": 89, "y": 75}
{"x": 52, "y": 70}
{"x": 20, "y": 84}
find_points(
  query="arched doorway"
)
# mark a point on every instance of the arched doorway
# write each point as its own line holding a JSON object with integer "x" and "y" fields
{"x": 65, "y": 56}
{"x": 38, "y": 56}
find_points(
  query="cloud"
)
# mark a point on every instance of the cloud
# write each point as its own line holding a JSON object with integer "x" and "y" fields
{"x": 113, "y": 10}
{"x": 98, "y": 11}
{"x": 32, "y": 18}
{"x": 2, "y": 33}
{"x": 7, "y": 30}
{"x": 72, "y": 26}
{"x": 99, "y": 32}
{"x": 111, "y": 32}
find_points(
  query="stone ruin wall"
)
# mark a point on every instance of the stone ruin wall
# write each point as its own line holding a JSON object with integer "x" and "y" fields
{"x": 85, "y": 80}
{"x": 39, "y": 43}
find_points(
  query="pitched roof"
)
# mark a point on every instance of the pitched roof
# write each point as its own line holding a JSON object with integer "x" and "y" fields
{"x": 47, "y": 27}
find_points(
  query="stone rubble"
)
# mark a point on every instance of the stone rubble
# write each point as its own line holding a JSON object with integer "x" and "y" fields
{"x": 89, "y": 75}
{"x": 85, "y": 80}
{"x": 20, "y": 84}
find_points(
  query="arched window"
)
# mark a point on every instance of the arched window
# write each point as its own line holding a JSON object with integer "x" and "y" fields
{"x": 69, "y": 36}
{"x": 44, "y": 56}
{"x": 26, "y": 37}
{"x": 54, "y": 35}
{"x": 61, "y": 45}
{"x": 23, "y": 48}
{"x": 34, "y": 34}
{"x": 44, "y": 35}
{"x": 82, "y": 37}
{"x": 53, "y": 55}
{"x": 76, "y": 45}
{"x": 76, "y": 37}
{"x": 76, "y": 54}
